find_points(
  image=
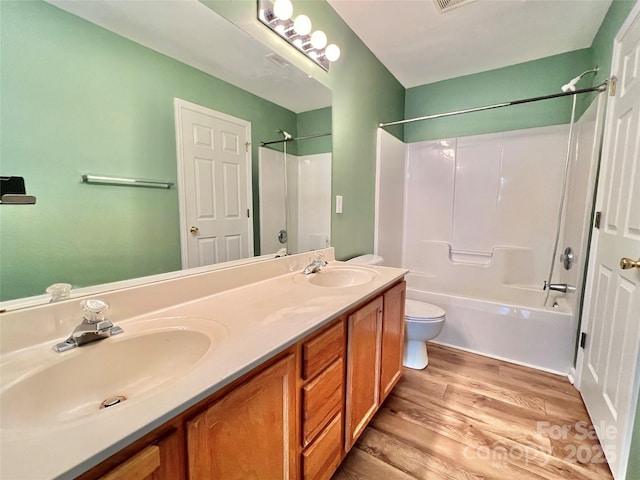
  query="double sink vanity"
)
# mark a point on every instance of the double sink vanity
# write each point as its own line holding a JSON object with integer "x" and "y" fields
{"x": 253, "y": 371}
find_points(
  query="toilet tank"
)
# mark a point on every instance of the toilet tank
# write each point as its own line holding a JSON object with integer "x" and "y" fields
{"x": 367, "y": 259}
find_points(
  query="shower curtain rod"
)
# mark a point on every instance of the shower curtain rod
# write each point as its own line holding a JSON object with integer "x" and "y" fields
{"x": 600, "y": 88}
{"x": 262, "y": 144}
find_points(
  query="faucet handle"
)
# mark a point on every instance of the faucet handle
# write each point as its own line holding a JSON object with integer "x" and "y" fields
{"x": 319, "y": 257}
{"x": 94, "y": 310}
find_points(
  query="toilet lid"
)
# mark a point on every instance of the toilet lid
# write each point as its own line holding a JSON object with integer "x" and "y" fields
{"x": 414, "y": 309}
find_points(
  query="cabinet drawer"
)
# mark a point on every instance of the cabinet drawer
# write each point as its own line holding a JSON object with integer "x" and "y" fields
{"x": 323, "y": 456}
{"x": 321, "y": 350}
{"x": 140, "y": 467}
{"x": 321, "y": 400}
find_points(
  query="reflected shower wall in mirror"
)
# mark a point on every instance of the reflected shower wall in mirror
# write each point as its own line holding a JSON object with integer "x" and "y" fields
{"x": 295, "y": 181}
{"x": 76, "y": 99}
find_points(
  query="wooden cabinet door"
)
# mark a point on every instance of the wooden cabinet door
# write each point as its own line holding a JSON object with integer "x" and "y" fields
{"x": 363, "y": 369}
{"x": 392, "y": 339}
{"x": 250, "y": 432}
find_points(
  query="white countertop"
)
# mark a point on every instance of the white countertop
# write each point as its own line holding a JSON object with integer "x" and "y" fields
{"x": 258, "y": 320}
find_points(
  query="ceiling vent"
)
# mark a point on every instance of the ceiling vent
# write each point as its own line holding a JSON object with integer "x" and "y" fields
{"x": 277, "y": 60}
{"x": 443, "y": 6}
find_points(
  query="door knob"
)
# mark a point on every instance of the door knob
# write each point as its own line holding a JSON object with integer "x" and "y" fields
{"x": 626, "y": 263}
{"x": 194, "y": 230}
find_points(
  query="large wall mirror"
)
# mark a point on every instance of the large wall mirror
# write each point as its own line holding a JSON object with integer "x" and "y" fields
{"x": 89, "y": 88}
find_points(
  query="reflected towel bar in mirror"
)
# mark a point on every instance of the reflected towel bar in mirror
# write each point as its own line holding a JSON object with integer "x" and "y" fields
{"x": 132, "y": 182}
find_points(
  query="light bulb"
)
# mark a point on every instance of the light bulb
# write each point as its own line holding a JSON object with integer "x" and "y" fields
{"x": 283, "y": 9}
{"x": 280, "y": 29}
{"x": 318, "y": 39}
{"x": 332, "y": 52}
{"x": 302, "y": 25}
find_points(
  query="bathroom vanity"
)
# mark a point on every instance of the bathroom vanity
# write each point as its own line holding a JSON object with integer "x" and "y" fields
{"x": 295, "y": 369}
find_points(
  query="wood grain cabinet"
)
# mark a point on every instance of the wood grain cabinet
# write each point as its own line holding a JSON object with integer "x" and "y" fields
{"x": 375, "y": 337}
{"x": 392, "y": 339}
{"x": 322, "y": 401}
{"x": 142, "y": 466}
{"x": 247, "y": 434}
{"x": 363, "y": 368}
{"x": 158, "y": 456}
{"x": 295, "y": 416}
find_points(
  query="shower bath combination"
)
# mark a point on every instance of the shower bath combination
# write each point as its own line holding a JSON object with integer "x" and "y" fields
{"x": 470, "y": 259}
{"x": 563, "y": 287}
{"x": 295, "y": 195}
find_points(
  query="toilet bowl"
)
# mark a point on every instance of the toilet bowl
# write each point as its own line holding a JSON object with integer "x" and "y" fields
{"x": 423, "y": 322}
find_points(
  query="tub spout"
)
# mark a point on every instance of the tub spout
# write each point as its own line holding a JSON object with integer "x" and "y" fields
{"x": 559, "y": 287}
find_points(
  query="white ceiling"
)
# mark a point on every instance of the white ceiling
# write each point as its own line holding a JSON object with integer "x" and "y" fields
{"x": 194, "y": 34}
{"x": 419, "y": 45}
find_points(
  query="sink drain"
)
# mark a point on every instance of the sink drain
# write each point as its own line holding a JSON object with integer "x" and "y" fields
{"x": 111, "y": 401}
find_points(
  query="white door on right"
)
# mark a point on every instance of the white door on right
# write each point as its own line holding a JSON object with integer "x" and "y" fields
{"x": 609, "y": 365}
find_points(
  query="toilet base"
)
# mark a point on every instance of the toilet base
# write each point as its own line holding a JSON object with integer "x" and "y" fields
{"x": 415, "y": 355}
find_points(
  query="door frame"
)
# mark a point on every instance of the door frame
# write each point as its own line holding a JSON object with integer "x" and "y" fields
{"x": 591, "y": 263}
{"x": 178, "y": 104}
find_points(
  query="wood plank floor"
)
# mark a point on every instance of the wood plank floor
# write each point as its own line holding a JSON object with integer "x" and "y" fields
{"x": 471, "y": 417}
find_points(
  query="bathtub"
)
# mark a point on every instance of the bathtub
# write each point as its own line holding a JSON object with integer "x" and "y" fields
{"x": 516, "y": 328}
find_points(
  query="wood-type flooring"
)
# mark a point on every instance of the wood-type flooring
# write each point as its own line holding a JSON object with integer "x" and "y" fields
{"x": 471, "y": 417}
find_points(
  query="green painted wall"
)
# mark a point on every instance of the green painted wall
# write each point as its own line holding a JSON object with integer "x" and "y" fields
{"x": 603, "y": 41}
{"x": 531, "y": 79}
{"x": 364, "y": 94}
{"x": 312, "y": 123}
{"x": 633, "y": 468}
{"x": 536, "y": 78}
{"x": 79, "y": 99}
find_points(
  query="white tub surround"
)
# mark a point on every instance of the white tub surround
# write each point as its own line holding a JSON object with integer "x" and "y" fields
{"x": 260, "y": 308}
{"x": 308, "y": 199}
{"x": 522, "y": 332}
{"x": 479, "y": 219}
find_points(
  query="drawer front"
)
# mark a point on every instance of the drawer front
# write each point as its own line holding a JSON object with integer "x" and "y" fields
{"x": 321, "y": 400}
{"x": 140, "y": 467}
{"x": 323, "y": 456}
{"x": 323, "y": 349}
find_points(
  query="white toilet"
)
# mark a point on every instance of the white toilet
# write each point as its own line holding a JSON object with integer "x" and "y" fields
{"x": 423, "y": 322}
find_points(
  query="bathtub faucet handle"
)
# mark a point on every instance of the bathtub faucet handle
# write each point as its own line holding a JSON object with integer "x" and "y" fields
{"x": 559, "y": 287}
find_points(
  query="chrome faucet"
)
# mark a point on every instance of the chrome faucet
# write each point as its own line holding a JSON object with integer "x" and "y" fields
{"x": 94, "y": 326}
{"x": 316, "y": 264}
{"x": 559, "y": 287}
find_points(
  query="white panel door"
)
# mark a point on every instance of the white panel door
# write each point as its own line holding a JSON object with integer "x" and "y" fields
{"x": 214, "y": 176}
{"x": 609, "y": 365}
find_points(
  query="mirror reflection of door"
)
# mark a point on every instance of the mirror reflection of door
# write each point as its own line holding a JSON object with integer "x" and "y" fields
{"x": 214, "y": 174}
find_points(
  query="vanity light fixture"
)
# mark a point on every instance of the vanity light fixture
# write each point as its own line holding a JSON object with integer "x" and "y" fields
{"x": 278, "y": 16}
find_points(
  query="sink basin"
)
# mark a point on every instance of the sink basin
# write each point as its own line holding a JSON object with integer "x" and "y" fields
{"x": 76, "y": 384}
{"x": 340, "y": 277}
